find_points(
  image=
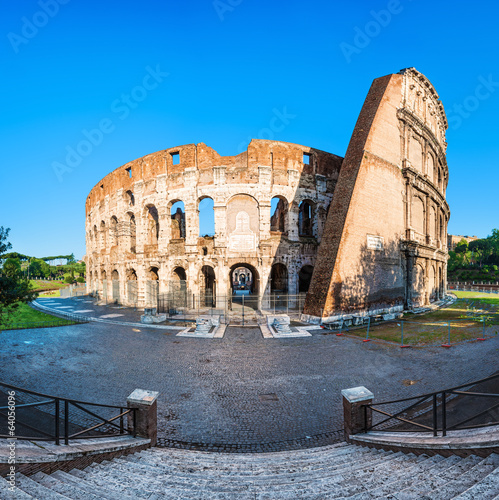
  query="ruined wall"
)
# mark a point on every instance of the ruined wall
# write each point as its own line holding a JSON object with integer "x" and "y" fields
{"x": 383, "y": 247}
{"x": 132, "y": 239}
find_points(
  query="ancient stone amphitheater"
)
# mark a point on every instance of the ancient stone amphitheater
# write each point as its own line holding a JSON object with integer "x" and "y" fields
{"x": 359, "y": 235}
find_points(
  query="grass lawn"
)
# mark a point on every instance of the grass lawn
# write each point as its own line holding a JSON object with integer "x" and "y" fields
{"x": 465, "y": 318}
{"x": 47, "y": 285}
{"x": 26, "y": 317}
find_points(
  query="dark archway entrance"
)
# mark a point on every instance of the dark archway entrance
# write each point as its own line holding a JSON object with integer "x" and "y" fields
{"x": 279, "y": 279}
{"x": 244, "y": 285}
{"x": 304, "y": 278}
{"x": 207, "y": 286}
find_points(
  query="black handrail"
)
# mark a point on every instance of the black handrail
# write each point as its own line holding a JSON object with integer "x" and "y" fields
{"x": 65, "y": 403}
{"x": 435, "y": 397}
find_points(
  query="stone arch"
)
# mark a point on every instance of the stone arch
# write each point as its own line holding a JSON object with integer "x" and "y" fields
{"x": 176, "y": 209}
{"x": 431, "y": 167}
{"x": 279, "y": 214}
{"x": 432, "y": 229}
{"x": 279, "y": 278}
{"x": 179, "y": 274}
{"x": 416, "y": 153}
{"x": 207, "y": 287}
{"x": 432, "y": 283}
{"x": 253, "y": 285}
{"x": 306, "y": 218}
{"x": 153, "y": 273}
{"x": 152, "y": 286}
{"x": 131, "y": 232}
{"x": 418, "y": 285}
{"x": 132, "y": 287}
{"x": 243, "y": 223}
{"x": 418, "y": 214}
{"x": 103, "y": 235}
{"x": 152, "y": 218}
{"x": 131, "y": 274}
{"x": 304, "y": 278}
{"x": 206, "y": 215}
{"x": 129, "y": 198}
{"x": 113, "y": 231}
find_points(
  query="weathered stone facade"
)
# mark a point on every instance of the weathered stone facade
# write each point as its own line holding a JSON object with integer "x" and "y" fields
{"x": 372, "y": 227}
{"x": 384, "y": 243}
{"x": 134, "y": 239}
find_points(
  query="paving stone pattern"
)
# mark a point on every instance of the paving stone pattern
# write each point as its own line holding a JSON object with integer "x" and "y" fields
{"x": 338, "y": 471}
{"x": 240, "y": 393}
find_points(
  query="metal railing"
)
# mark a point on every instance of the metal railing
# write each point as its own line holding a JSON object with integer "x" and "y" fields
{"x": 48, "y": 418}
{"x": 435, "y": 404}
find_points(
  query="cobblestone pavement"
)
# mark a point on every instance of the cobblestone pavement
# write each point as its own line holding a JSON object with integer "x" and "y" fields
{"x": 87, "y": 307}
{"x": 239, "y": 393}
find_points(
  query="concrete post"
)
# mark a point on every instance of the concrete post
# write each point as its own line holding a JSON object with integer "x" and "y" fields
{"x": 146, "y": 414}
{"x": 355, "y": 416}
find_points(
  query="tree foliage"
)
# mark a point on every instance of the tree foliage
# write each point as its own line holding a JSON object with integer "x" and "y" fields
{"x": 14, "y": 287}
{"x": 479, "y": 256}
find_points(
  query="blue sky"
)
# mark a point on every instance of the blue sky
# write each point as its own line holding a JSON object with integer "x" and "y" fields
{"x": 220, "y": 72}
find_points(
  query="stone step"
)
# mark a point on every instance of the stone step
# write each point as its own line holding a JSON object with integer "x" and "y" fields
{"x": 344, "y": 471}
{"x": 430, "y": 485}
{"x": 429, "y": 480}
{"x": 267, "y": 465}
{"x": 466, "y": 480}
{"x": 371, "y": 478}
{"x": 71, "y": 491}
{"x": 102, "y": 492}
{"x": 488, "y": 487}
{"x": 208, "y": 459}
{"x": 216, "y": 485}
{"x": 37, "y": 490}
{"x": 264, "y": 473}
{"x": 7, "y": 494}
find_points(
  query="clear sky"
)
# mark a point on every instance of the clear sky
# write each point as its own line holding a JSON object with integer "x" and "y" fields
{"x": 156, "y": 74}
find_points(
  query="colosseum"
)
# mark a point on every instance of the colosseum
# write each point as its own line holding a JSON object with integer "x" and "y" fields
{"x": 355, "y": 236}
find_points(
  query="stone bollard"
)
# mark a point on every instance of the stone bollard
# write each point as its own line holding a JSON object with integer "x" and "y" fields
{"x": 354, "y": 414}
{"x": 146, "y": 414}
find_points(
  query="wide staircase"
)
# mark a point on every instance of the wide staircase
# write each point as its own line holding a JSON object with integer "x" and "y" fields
{"x": 336, "y": 471}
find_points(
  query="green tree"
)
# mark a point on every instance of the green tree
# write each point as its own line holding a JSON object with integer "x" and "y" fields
{"x": 11, "y": 266}
{"x": 14, "y": 287}
{"x": 480, "y": 248}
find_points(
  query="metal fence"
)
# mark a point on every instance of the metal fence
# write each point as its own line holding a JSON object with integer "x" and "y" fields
{"x": 40, "y": 417}
{"x": 73, "y": 291}
{"x": 240, "y": 309}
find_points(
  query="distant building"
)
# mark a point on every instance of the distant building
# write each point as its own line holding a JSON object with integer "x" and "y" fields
{"x": 454, "y": 239}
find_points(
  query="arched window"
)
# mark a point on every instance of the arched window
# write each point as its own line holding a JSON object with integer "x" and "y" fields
{"x": 103, "y": 234}
{"x": 306, "y": 218}
{"x": 152, "y": 225}
{"x": 177, "y": 213}
{"x": 130, "y": 198}
{"x": 279, "y": 278}
{"x": 132, "y": 232}
{"x": 418, "y": 214}
{"x": 279, "y": 214}
{"x": 113, "y": 231}
{"x": 206, "y": 217}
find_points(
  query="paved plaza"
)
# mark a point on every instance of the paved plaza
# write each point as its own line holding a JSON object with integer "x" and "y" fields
{"x": 238, "y": 393}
